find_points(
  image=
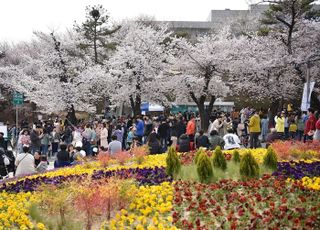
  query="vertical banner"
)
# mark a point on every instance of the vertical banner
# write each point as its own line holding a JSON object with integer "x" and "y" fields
{"x": 306, "y": 99}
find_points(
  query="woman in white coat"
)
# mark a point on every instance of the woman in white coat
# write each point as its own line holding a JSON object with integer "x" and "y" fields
{"x": 104, "y": 136}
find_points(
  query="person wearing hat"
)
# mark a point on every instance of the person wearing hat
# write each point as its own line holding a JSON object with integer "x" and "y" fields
{"x": 254, "y": 129}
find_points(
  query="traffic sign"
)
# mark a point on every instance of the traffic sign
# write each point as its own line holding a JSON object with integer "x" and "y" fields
{"x": 17, "y": 98}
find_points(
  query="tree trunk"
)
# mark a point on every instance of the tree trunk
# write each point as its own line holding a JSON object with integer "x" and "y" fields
{"x": 273, "y": 111}
{"x": 204, "y": 118}
{"x": 135, "y": 105}
{"x": 95, "y": 42}
{"x": 72, "y": 116}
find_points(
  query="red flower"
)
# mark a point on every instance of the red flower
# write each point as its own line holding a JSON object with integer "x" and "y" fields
{"x": 198, "y": 222}
{"x": 242, "y": 199}
{"x": 302, "y": 198}
{"x": 283, "y": 200}
{"x": 283, "y": 208}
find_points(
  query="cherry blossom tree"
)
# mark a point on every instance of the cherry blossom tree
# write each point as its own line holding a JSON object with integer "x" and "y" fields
{"x": 54, "y": 77}
{"x": 137, "y": 66}
{"x": 201, "y": 70}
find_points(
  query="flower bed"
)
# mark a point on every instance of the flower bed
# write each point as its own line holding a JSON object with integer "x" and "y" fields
{"x": 150, "y": 209}
{"x": 290, "y": 198}
{"x": 297, "y": 170}
{"x": 250, "y": 204}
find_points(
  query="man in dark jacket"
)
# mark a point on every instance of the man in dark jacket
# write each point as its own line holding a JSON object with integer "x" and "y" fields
{"x": 63, "y": 156}
{"x": 184, "y": 143}
{"x": 180, "y": 127}
{"x": 202, "y": 140}
{"x": 35, "y": 138}
{"x": 163, "y": 132}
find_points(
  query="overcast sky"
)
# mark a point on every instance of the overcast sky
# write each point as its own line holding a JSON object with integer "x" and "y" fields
{"x": 18, "y": 18}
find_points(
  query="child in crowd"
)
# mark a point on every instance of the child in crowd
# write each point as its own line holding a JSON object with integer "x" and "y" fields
{"x": 292, "y": 129}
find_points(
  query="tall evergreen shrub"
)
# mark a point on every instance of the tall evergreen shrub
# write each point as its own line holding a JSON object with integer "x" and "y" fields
{"x": 204, "y": 168}
{"x": 236, "y": 156}
{"x": 249, "y": 166}
{"x": 173, "y": 162}
{"x": 270, "y": 159}
{"x": 218, "y": 159}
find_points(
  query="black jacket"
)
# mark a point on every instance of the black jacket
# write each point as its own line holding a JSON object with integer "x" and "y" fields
{"x": 184, "y": 143}
{"x": 163, "y": 130}
{"x": 202, "y": 141}
{"x": 35, "y": 140}
{"x": 3, "y": 143}
{"x": 155, "y": 147}
{"x": 63, "y": 156}
{"x": 181, "y": 128}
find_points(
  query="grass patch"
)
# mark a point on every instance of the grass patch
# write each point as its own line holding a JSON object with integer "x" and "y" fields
{"x": 189, "y": 172}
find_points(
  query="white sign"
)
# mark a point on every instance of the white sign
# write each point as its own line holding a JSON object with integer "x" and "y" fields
{"x": 4, "y": 130}
{"x": 306, "y": 99}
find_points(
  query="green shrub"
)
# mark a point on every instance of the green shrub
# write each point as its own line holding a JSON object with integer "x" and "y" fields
{"x": 236, "y": 156}
{"x": 200, "y": 150}
{"x": 270, "y": 159}
{"x": 218, "y": 159}
{"x": 249, "y": 166}
{"x": 204, "y": 168}
{"x": 173, "y": 162}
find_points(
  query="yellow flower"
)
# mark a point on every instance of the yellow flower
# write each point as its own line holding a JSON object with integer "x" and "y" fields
{"x": 41, "y": 226}
{"x": 139, "y": 227}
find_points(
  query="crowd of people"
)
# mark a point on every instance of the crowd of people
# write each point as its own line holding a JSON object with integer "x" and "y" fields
{"x": 68, "y": 144}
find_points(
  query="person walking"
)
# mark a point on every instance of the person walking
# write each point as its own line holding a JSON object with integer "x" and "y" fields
{"x": 254, "y": 129}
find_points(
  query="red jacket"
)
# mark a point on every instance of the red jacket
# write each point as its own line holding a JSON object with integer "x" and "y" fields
{"x": 191, "y": 127}
{"x": 318, "y": 124}
{"x": 311, "y": 124}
